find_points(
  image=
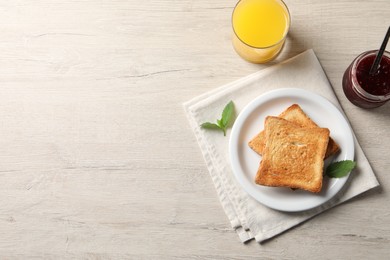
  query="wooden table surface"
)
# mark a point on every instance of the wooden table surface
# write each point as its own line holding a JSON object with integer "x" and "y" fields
{"x": 97, "y": 159}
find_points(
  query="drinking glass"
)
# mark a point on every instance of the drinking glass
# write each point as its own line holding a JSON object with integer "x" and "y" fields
{"x": 260, "y": 28}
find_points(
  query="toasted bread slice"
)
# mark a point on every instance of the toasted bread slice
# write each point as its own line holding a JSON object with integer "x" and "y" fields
{"x": 295, "y": 114}
{"x": 293, "y": 156}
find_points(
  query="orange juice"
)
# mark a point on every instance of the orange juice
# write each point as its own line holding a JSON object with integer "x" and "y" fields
{"x": 260, "y": 29}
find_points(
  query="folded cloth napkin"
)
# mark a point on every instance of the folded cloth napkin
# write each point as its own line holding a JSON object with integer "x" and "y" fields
{"x": 248, "y": 217}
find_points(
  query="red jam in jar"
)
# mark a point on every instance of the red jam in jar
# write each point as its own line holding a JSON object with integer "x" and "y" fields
{"x": 365, "y": 90}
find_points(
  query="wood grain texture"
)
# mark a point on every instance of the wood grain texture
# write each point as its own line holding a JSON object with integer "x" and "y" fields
{"x": 97, "y": 159}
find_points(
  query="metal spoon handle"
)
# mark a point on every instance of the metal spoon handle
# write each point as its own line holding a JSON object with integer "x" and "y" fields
{"x": 374, "y": 67}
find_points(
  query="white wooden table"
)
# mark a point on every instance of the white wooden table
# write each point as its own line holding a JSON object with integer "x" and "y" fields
{"x": 97, "y": 159}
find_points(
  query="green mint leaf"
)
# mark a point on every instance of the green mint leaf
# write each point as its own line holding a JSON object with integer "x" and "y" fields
{"x": 219, "y": 123}
{"x": 209, "y": 125}
{"x": 224, "y": 122}
{"x": 227, "y": 114}
{"x": 340, "y": 169}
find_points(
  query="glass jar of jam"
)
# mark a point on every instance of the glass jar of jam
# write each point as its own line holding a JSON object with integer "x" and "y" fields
{"x": 365, "y": 90}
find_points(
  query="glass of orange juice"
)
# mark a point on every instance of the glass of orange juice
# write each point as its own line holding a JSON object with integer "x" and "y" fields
{"x": 260, "y": 28}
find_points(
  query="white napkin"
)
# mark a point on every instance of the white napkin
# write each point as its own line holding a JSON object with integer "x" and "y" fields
{"x": 247, "y": 216}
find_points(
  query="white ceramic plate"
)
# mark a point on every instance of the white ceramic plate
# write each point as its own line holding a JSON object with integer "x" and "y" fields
{"x": 245, "y": 161}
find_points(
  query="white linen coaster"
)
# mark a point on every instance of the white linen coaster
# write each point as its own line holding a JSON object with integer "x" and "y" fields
{"x": 247, "y": 216}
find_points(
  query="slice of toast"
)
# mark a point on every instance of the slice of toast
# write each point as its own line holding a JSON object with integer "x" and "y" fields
{"x": 295, "y": 114}
{"x": 293, "y": 156}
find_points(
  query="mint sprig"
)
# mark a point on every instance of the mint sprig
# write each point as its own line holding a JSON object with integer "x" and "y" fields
{"x": 224, "y": 122}
{"x": 340, "y": 169}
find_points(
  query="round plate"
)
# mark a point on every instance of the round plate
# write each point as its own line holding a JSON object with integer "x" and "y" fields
{"x": 245, "y": 161}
